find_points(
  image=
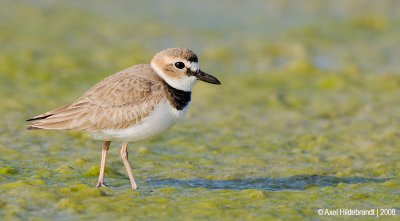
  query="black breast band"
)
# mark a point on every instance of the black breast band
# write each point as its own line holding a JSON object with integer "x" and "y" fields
{"x": 178, "y": 98}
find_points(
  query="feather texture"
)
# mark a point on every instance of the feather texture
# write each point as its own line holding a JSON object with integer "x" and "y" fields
{"x": 117, "y": 102}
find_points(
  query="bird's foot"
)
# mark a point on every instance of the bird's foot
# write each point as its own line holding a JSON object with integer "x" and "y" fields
{"x": 99, "y": 184}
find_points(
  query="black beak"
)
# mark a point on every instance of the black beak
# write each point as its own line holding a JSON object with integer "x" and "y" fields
{"x": 202, "y": 76}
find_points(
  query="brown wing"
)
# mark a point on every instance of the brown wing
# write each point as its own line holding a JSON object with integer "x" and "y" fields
{"x": 117, "y": 102}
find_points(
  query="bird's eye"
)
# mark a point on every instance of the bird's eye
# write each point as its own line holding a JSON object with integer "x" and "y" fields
{"x": 179, "y": 65}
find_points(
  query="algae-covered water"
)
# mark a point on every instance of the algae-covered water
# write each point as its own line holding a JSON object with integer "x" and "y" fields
{"x": 307, "y": 116}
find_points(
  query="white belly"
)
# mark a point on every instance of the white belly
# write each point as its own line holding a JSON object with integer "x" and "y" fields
{"x": 163, "y": 117}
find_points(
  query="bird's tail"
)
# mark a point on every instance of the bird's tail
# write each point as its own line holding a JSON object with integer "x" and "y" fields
{"x": 42, "y": 122}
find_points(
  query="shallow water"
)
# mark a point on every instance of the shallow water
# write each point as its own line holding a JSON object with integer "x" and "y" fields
{"x": 307, "y": 115}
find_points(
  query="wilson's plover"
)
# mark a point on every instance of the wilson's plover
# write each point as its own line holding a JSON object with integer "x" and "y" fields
{"x": 132, "y": 105}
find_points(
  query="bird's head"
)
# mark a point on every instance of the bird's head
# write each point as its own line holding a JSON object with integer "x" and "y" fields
{"x": 179, "y": 67}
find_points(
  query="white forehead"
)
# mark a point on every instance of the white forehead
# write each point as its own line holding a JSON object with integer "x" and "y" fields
{"x": 194, "y": 66}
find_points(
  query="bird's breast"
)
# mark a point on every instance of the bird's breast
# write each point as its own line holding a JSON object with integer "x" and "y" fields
{"x": 163, "y": 117}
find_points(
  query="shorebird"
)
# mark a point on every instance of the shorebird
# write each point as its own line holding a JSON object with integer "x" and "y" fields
{"x": 135, "y": 104}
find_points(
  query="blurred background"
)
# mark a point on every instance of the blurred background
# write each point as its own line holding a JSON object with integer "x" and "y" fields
{"x": 307, "y": 115}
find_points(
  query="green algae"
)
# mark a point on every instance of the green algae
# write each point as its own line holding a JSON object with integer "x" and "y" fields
{"x": 307, "y": 115}
{"x": 7, "y": 170}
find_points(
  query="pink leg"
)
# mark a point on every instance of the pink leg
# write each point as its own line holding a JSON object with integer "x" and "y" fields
{"x": 106, "y": 146}
{"x": 124, "y": 156}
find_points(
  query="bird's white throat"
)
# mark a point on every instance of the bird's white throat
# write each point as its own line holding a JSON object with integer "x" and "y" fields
{"x": 184, "y": 83}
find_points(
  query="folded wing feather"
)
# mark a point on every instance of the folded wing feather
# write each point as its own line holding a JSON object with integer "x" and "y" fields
{"x": 117, "y": 102}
